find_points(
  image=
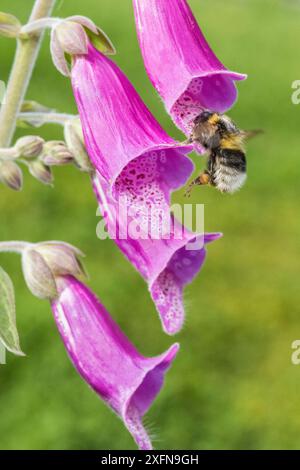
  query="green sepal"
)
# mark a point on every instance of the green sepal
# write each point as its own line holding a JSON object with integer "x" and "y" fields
{"x": 101, "y": 41}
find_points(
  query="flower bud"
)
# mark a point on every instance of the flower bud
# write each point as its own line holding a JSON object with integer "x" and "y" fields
{"x": 29, "y": 146}
{"x": 45, "y": 263}
{"x": 9, "y": 25}
{"x": 38, "y": 275}
{"x": 56, "y": 153}
{"x": 62, "y": 258}
{"x": 96, "y": 36}
{"x": 41, "y": 172}
{"x": 74, "y": 139}
{"x": 72, "y": 37}
{"x": 11, "y": 175}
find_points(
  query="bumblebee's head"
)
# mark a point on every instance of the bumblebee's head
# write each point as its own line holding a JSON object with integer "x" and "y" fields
{"x": 206, "y": 117}
{"x": 205, "y": 129}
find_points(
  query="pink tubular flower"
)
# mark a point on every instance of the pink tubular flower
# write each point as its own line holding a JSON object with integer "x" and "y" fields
{"x": 127, "y": 381}
{"x": 181, "y": 65}
{"x": 137, "y": 166}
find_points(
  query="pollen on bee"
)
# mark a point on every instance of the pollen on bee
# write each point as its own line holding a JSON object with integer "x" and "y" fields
{"x": 204, "y": 179}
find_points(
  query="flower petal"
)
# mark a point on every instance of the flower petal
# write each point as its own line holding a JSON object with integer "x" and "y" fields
{"x": 97, "y": 36}
{"x": 84, "y": 21}
{"x": 72, "y": 37}
{"x": 181, "y": 65}
{"x": 58, "y": 55}
{"x": 127, "y": 381}
{"x": 166, "y": 263}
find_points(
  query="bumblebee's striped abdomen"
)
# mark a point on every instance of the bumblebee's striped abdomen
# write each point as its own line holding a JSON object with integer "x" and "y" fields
{"x": 228, "y": 171}
{"x": 233, "y": 158}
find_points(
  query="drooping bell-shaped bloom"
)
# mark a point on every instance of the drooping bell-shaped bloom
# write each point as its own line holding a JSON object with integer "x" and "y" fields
{"x": 181, "y": 65}
{"x": 127, "y": 381}
{"x": 167, "y": 264}
{"x": 137, "y": 167}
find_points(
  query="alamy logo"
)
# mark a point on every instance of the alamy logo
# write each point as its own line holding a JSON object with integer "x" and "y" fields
{"x": 124, "y": 221}
{"x": 295, "y": 357}
{"x": 296, "y": 93}
{"x": 2, "y": 91}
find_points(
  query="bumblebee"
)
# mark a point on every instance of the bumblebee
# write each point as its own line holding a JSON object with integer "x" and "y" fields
{"x": 226, "y": 165}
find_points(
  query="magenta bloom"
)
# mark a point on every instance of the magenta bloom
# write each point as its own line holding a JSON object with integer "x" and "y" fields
{"x": 181, "y": 65}
{"x": 138, "y": 165}
{"x": 127, "y": 381}
{"x": 166, "y": 264}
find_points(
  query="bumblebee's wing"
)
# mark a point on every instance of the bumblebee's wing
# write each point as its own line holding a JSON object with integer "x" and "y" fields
{"x": 250, "y": 134}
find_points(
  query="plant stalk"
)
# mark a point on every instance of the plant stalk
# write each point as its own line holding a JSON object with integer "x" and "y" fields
{"x": 13, "y": 246}
{"x": 25, "y": 58}
{"x": 8, "y": 153}
{"x": 46, "y": 118}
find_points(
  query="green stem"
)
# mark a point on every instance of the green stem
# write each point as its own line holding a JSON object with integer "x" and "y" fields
{"x": 25, "y": 58}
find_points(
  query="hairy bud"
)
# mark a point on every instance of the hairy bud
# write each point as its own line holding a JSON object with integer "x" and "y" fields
{"x": 41, "y": 172}
{"x": 62, "y": 258}
{"x": 29, "y": 146}
{"x": 74, "y": 139}
{"x": 10, "y": 26}
{"x": 38, "y": 275}
{"x": 45, "y": 263}
{"x": 72, "y": 37}
{"x": 56, "y": 153}
{"x": 11, "y": 175}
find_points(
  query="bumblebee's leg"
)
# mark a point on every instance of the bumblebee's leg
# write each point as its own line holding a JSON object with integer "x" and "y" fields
{"x": 188, "y": 141}
{"x": 203, "y": 179}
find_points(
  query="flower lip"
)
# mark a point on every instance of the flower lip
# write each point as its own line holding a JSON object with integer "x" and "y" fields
{"x": 167, "y": 287}
{"x": 227, "y": 74}
{"x": 166, "y": 265}
{"x": 203, "y": 239}
{"x": 150, "y": 385}
{"x": 182, "y": 148}
{"x": 212, "y": 91}
{"x": 142, "y": 397}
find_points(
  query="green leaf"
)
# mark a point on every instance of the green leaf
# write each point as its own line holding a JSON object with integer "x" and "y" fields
{"x": 8, "y": 328}
{"x": 101, "y": 42}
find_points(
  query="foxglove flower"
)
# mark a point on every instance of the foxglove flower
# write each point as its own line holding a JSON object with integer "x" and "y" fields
{"x": 167, "y": 265}
{"x": 181, "y": 65}
{"x": 136, "y": 162}
{"x": 127, "y": 381}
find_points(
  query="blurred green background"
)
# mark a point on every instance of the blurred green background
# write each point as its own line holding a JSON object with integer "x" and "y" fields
{"x": 233, "y": 385}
